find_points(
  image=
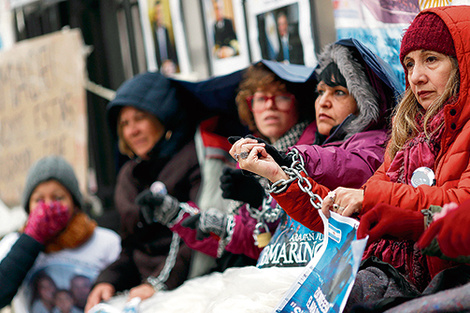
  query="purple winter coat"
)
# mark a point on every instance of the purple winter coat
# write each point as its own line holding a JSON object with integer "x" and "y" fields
{"x": 347, "y": 163}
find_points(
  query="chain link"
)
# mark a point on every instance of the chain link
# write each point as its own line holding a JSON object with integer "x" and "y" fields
{"x": 294, "y": 172}
{"x": 269, "y": 214}
{"x": 158, "y": 283}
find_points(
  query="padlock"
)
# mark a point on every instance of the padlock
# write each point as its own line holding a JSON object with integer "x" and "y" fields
{"x": 262, "y": 239}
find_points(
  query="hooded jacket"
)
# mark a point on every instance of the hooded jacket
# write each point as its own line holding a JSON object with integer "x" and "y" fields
{"x": 452, "y": 166}
{"x": 172, "y": 161}
{"x": 350, "y": 161}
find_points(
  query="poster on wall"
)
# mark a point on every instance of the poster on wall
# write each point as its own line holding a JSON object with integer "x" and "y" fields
{"x": 7, "y": 32}
{"x": 226, "y": 41}
{"x": 381, "y": 24}
{"x": 281, "y": 31}
{"x": 164, "y": 38}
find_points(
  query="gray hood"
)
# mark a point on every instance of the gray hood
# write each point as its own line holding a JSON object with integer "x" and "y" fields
{"x": 358, "y": 84}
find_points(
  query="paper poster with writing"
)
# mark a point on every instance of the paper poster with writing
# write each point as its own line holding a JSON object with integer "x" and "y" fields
{"x": 325, "y": 284}
{"x": 42, "y": 108}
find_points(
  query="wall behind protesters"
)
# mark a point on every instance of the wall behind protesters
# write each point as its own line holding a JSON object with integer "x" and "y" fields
{"x": 116, "y": 55}
{"x": 42, "y": 108}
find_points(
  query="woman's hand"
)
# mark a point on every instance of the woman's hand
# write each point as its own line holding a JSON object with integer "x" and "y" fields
{"x": 143, "y": 291}
{"x": 252, "y": 156}
{"x": 344, "y": 201}
{"x": 46, "y": 221}
{"x": 101, "y": 292}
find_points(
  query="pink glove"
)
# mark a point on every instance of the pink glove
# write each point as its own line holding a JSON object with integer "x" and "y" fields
{"x": 389, "y": 222}
{"x": 452, "y": 232}
{"x": 46, "y": 221}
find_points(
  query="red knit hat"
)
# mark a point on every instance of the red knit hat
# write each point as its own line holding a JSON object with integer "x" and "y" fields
{"x": 427, "y": 32}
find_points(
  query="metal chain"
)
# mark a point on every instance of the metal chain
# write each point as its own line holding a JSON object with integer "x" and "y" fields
{"x": 294, "y": 171}
{"x": 158, "y": 283}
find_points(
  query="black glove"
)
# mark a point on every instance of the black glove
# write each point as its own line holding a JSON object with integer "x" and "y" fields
{"x": 161, "y": 208}
{"x": 207, "y": 222}
{"x": 281, "y": 158}
{"x": 233, "y": 139}
{"x": 237, "y": 186}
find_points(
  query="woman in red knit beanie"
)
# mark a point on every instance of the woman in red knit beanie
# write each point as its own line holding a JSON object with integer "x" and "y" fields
{"x": 427, "y": 164}
{"x": 427, "y": 161}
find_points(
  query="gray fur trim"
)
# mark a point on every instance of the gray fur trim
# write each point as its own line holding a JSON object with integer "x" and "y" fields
{"x": 357, "y": 83}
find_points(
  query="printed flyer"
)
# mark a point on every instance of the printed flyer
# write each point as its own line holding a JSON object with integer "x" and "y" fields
{"x": 325, "y": 284}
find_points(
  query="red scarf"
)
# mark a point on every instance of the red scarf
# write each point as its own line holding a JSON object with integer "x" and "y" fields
{"x": 417, "y": 152}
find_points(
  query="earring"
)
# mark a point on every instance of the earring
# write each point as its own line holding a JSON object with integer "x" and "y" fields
{"x": 168, "y": 135}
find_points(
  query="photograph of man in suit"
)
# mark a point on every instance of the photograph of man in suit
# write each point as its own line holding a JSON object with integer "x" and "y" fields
{"x": 290, "y": 45}
{"x": 164, "y": 49}
{"x": 225, "y": 38}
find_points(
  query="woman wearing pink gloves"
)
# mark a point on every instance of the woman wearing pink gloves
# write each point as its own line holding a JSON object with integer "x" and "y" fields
{"x": 59, "y": 240}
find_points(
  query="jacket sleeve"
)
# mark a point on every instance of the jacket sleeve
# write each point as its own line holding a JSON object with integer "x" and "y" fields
{"x": 122, "y": 274}
{"x": 207, "y": 246}
{"x": 15, "y": 266}
{"x": 297, "y": 204}
{"x": 349, "y": 164}
{"x": 242, "y": 241}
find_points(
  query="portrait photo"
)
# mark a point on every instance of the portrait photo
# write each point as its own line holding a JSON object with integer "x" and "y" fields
{"x": 164, "y": 38}
{"x": 225, "y": 35}
{"x": 281, "y": 31}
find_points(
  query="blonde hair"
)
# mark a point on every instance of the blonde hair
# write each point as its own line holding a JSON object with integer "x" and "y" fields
{"x": 122, "y": 145}
{"x": 405, "y": 114}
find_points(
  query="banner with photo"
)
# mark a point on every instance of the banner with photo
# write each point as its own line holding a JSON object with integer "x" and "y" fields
{"x": 227, "y": 46}
{"x": 327, "y": 280}
{"x": 381, "y": 24}
{"x": 281, "y": 30}
{"x": 164, "y": 37}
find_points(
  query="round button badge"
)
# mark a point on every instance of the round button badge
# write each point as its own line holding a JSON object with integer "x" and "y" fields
{"x": 423, "y": 176}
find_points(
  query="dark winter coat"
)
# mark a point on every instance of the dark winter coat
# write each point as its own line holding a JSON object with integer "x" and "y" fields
{"x": 173, "y": 162}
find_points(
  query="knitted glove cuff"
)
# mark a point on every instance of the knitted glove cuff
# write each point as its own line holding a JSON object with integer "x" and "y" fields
{"x": 169, "y": 210}
{"x": 213, "y": 221}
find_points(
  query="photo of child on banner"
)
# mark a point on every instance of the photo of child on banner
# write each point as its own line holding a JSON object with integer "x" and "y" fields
{"x": 326, "y": 282}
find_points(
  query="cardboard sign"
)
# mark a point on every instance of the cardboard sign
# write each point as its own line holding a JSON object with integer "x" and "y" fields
{"x": 42, "y": 108}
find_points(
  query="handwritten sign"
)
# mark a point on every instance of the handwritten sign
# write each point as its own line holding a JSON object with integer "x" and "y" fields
{"x": 42, "y": 108}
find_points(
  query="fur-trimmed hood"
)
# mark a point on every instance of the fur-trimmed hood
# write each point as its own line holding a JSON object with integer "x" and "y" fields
{"x": 371, "y": 82}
